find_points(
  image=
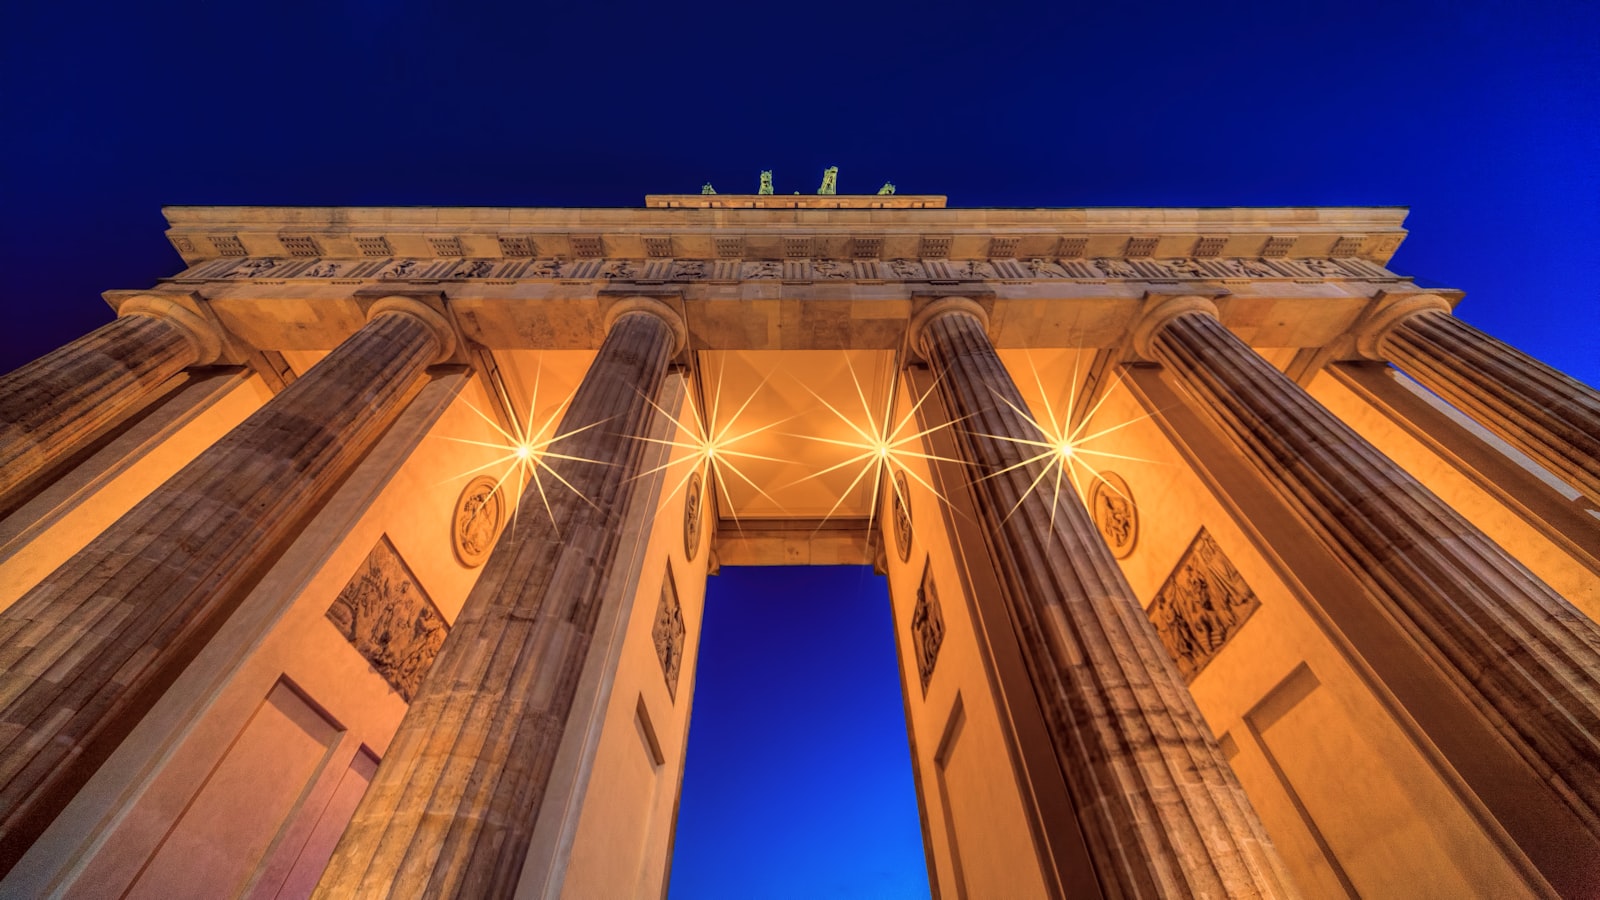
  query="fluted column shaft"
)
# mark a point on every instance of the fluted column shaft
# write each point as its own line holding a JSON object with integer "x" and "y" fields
{"x": 1548, "y": 415}
{"x": 1526, "y": 658}
{"x": 89, "y": 650}
{"x": 454, "y": 804}
{"x": 51, "y": 406}
{"x": 1162, "y": 813}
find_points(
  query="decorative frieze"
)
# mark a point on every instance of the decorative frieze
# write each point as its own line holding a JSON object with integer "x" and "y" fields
{"x": 806, "y": 269}
{"x": 1203, "y": 604}
{"x": 384, "y": 613}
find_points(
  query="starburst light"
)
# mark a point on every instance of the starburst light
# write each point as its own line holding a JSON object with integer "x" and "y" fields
{"x": 881, "y": 444}
{"x": 1062, "y": 448}
{"x": 712, "y": 441}
{"x": 526, "y": 449}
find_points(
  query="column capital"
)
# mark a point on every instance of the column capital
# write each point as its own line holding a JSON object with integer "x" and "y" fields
{"x": 640, "y": 303}
{"x": 1158, "y": 314}
{"x": 202, "y": 335}
{"x": 940, "y": 307}
{"x": 1386, "y": 313}
{"x": 411, "y": 306}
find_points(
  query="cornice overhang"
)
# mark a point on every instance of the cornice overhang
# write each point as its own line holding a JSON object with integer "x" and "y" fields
{"x": 200, "y": 233}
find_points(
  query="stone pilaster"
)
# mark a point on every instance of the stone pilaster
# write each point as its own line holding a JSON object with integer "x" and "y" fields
{"x": 455, "y": 802}
{"x": 1551, "y": 417}
{"x": 1161, "y": 812}
{"x": 87, "y": 652}
{"x": 52, "y": 406}
{"x": 1525, "y": 658}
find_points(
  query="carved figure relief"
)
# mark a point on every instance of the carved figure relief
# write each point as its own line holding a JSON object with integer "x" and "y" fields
{"x": 323, "y": 270}
{"x": 767, "y": 268}
{"x": 1115, "y": 514}
{"x": 1185, "y": 267}
{"x": 545, "y": 268}
{"x": 902, "y": 516}
{"x": 689, "y": 268}
{"x": 927, "y": 626}
{"x": 402, "y": 269}
{"x": 905, "y": 268}
{"x": 478, "y": 268}
{"x": 668, "y": 633}
{"x": 1044, "y": 268}
{"x": 828, "y": 268}
{"x": 976, "y": 268}
{"x": 620, "y": 268}
{"x": 251, "y": 268}
{"x": 1115, "y": 268}
{"x": 384, "y": 613}
{"x": 692, "y": 506}
{"x": 476, "y": 521}
{"x": 1203, "y": 604}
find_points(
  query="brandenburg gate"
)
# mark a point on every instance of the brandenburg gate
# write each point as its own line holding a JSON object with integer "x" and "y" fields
{"x": 365, "y": 556}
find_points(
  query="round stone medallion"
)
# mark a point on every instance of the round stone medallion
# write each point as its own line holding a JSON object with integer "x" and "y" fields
{"x": 476, "y": 523}
{"x": 691, "y": 518}
{"x": 902, "y": 516}
{"x": 1115, "y": 514}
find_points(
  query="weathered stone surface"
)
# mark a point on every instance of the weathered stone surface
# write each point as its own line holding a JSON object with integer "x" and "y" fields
{"x": 1522, "y": 655}
{"x": 51, "y": 406}
{"x": 1162, "y": 813}
{"x": 453, "y": 806}
{"x": 1551, "y": 417}
{"x": 86, "y": 652}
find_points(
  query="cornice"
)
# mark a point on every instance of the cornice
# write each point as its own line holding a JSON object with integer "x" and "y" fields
{"x": 203, "y": 233}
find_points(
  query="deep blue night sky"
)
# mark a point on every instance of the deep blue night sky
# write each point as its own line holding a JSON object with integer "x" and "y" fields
{"x": 1484, "y": 118}
{"x": 798, "y": 780}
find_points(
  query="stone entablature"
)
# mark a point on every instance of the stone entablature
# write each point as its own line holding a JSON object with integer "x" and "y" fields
{"x": 766, "y": 233}
{"x": 799, "y": 270}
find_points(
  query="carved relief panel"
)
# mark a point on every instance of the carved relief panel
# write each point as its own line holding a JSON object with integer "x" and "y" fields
{"x": 1115, "y": 514}
{"x": 902, "y": 516}
{"x": 669, "y": 632}
{"x": 1202, "y": 605}
{"x": 384, "y": 613}
{"x": 692, "y": 504}
{"x": 927, "y": 627}
{"x": 476, "y": 521}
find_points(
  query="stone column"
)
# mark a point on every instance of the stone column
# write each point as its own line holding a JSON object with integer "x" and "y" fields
{"x": 1161, "y": 811}
{"x": 1551, "y": 417}
{"x": 52, "y": 406}
{"x": 454, "y": 803}
{"x": 1525, "y": 658}
{"x": 90, "y": 649}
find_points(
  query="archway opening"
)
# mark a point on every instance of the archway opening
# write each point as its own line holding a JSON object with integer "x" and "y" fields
{"x": 798, "y": 778}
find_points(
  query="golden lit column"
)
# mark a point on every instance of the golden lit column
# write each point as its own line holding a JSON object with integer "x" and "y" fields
{"x": 1162, "y": 813}
{"x": 89, "y": 650}
{"x": 1551, "y": 417}
{"x": 453, "y": 806}
{"x": 52, "y": 406}
{"x": 1525, "y": 658}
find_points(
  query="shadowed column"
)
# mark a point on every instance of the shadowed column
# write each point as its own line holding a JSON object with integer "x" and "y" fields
{"x": 1162, "y": 813}
{"x": 1551, "y": 417}
{"x": 454, "y": 803}
{"x": 52, "y": 406}
{"x": 1526, "y": 659}
{"x": 90, "y": 649}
